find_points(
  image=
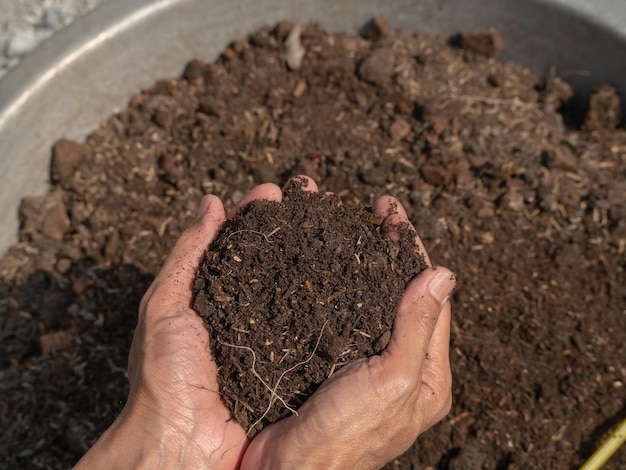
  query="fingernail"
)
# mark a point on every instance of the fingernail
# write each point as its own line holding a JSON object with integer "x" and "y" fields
{"x": 204, "y": 206}
{"x": 441, "y": 286}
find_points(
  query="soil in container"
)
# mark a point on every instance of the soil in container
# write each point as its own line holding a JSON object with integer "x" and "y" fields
{"x": 528, "y": 211}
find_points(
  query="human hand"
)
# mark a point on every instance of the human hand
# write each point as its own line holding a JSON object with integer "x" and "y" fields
{"x": 372, "y": 410}
{"x": 175, "y": 416}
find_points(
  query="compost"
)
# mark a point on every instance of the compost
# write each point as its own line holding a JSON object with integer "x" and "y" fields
{"x": 292, "y": 291}
{"x": 510, "y": 185}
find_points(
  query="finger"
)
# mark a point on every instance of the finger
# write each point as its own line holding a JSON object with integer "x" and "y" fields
{"x": 304, "y": 182}
{"x": 435, "y": 399}
{"x": 267, "y": 191}
{"x": 416, "y": 319}
{"x": 396, "y": 218}
{"x": 438, "y": 354}
{"x": 392, "y": 227}
{"x": 387, "y": 205}
{"x": 172, "y": 287}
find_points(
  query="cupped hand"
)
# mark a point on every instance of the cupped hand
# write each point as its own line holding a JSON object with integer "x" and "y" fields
{"x": 372, "y": 410}
{"x": 175, "y": 416}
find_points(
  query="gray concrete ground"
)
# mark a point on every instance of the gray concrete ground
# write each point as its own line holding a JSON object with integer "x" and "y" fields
{"x": 26, "y": 23}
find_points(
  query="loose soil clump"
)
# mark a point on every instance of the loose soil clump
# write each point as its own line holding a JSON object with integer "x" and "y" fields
{"x": 529, "y": 212}
{"x": 291, "y": 292}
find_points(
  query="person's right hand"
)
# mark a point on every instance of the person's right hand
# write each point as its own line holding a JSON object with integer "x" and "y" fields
{"x": 372, "y": 410}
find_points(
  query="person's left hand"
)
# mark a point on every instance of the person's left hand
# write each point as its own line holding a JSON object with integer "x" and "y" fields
{"x": 175, "y": 416}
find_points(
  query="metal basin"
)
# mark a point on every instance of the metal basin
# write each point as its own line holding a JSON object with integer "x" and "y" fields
{"x": 86, "y": 72}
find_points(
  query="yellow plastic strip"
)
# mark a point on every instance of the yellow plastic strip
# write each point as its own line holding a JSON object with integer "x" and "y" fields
{"x": 607, "y": 448}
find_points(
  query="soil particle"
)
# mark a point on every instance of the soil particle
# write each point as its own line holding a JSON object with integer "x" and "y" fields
{"x": 560, "y": 158}
{"x": 376, "y": 173}
{"x": 378, "y": 28}
{"x": 54, "y": 342}
{"x": 486, "y": 43}
{"x": 399, "y": 129}
{"x": 45, "y": 215}
{"x": 377, "y": 67}
{"x": 556, "y": 92}
{"x": 605, "y": 109}
{"x": 210, "y": 106}
{"x": 67, "y": 156}
{"x": 193, "y": 70}
{"x": 299, "y": 89}
{"x": 292, "y": 49}
{"x": 435, "y": 174}
{"x": 164, "y": 119}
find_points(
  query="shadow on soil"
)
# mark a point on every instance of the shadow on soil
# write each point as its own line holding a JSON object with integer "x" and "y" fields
{"x": 64, "y": 346}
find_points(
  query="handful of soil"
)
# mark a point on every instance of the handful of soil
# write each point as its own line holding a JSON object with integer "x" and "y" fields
{"x": 290, "y": 292}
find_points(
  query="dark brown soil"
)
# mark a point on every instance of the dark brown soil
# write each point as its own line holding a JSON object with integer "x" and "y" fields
{"x": 291, "y": 292}
{"x": 528, "y": 212}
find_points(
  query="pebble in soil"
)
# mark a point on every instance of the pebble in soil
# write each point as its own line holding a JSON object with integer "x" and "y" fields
{"x": 292, "y": 291}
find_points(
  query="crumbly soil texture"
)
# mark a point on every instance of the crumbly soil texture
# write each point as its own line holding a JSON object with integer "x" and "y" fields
{"x": 518, "y": 192}
{"x": 292, "y": 291}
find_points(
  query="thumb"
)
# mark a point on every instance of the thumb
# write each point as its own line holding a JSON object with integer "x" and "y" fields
{"x": 173, "y": 286}
{"x": 416, "y": 318}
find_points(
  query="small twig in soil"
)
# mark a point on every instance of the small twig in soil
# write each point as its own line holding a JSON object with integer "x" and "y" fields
{"x": 267, "y": 237}
{"x": 253, "y": 369}
{"x": 273, "y": 394}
